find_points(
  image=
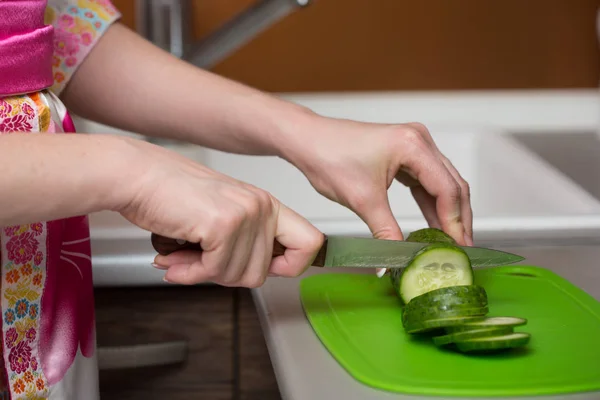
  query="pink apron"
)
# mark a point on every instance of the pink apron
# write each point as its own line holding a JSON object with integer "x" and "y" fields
{"x": 48, "y": 332}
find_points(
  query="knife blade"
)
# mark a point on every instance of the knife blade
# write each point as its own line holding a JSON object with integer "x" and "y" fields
{"x": 359, "y": 252}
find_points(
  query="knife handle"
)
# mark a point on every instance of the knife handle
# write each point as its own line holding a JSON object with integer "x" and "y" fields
{"x": 165, "y": 246}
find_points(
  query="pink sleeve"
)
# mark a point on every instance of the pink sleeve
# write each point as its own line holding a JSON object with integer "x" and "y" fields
{"x": 78, "y": 25}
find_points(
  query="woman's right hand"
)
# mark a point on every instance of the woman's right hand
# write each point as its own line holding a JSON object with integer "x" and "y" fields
{"x": 234, "y": 222}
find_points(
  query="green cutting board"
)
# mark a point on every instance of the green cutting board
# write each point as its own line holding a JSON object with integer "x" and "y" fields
{"x": 358, "y": 319}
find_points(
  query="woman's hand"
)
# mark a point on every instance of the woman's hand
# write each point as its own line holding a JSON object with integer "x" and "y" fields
{"x": 234, "y": 222}
{"x": 349, "y": 162}
{"x": 355, "y": 163}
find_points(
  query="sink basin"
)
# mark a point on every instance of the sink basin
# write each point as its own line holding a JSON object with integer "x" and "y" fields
{"x": 574, "y": 154}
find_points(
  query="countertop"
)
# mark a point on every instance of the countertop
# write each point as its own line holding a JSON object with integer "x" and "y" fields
{"x": 305, "y": 370}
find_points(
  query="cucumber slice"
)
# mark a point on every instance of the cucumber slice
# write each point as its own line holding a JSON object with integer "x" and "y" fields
{"x": 490, "y": 322}
{"x": 430, "y": 235}
{"x": 423, "y": 314}
{"x": 452, "y": 295}
{"x": 500, "y": 342}
{"x": 471, "y": 334}
{"x": 441, "y": 308}
{"x": 435, "y": 266}
{"x": 433, "y": 324}
{"x": 427, "y": 315}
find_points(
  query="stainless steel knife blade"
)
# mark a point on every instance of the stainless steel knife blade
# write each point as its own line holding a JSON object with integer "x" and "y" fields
{"x": 343, "y": 251}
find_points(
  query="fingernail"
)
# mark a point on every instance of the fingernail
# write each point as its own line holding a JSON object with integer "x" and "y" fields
{"x": 157, "y": 266}
{"x": 166, "y": 280}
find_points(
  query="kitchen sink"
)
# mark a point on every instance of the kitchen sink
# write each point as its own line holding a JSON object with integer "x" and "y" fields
{"x": 575, "y": 154}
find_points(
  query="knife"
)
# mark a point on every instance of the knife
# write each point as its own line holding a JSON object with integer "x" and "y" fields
{"x": 358, "y": 252}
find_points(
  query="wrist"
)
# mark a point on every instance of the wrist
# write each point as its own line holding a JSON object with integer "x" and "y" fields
{"x": 293, "y": 133}
{"x": 120, "y": 172}
{"x": 298, "y": 137}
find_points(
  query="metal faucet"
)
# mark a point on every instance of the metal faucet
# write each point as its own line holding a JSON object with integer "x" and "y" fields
{"x": 167, "y": 24}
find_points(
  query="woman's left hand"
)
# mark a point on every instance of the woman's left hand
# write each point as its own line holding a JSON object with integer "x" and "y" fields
{"x": 354, "y": 164}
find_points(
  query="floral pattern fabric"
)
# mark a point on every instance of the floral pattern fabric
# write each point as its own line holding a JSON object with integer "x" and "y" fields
{"x": 78, "y": 25}
{"x": 46, "y": 290}
{"x": 22, "y": 287}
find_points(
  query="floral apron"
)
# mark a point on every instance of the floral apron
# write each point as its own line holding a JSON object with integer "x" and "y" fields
{"x": 46, "y": 295}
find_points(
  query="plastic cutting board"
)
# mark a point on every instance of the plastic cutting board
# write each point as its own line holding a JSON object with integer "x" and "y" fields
{"x": 358, "y": 320}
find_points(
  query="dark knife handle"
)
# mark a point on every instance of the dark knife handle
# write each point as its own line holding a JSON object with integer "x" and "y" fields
{"x": 165, "y": 246}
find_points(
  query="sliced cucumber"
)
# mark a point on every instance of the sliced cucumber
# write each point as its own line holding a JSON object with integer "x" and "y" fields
{"x": 490, "y": 322}
{"x": 471, "y": 334}
{"x": 499, "y": 342}
{"x": 430, "y": 235}
{"x": 436, "y": 266}
{"x": 438, "y": 292}
{"x": 430, "y": 314}
{"x": 452, "y": 295}
{"x": 440, "y": 308}
{"x": 433, "y": 324}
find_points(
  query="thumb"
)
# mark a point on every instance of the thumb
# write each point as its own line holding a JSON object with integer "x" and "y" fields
{"x": 380, "y": 219}
{"x": 302, "y": 242}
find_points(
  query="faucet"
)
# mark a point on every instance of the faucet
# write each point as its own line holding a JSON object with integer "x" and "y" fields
{"x": 167, "y": 24}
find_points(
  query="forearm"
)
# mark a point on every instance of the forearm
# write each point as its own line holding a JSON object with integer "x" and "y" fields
{"x": 51, "y": 176}
{"x": 129, "y": 83}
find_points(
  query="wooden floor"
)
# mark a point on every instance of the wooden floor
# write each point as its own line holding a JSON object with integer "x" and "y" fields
{"x": 228, "y": 357}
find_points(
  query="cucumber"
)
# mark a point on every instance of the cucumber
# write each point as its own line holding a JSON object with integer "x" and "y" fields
{"x": 499, "y": 342}
{"x": 438, "y": 293}
{"x": 471, "y": 334}
{"x": 433, "y": 324}
{"x": 440, "y": 308}
{"x": 490, "y": 322}
{"x": 432, "y": 314}
{"x": 436, "y": 266}
{"x": 451, "y": 295}
{"x": 430, "y": 235}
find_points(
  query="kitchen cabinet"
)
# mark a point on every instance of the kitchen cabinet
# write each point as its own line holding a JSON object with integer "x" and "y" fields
{"x": 227, "y": 358}
{"x": 355, "y": 45}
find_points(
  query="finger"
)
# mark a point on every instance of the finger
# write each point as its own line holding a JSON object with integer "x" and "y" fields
{"x": 382, "y": 223}
{"x": 258, "y": 264}
{"x": 427, "y": 205}
{"x": 241, "y": 254}
{"x": 372, "y": 205}
{"x": 448, "y": 220}
{"x": 466, "y": 213}
{"x": 178, "y": 257}
{"x": 211, "y": 265}
{"x": 302, "y": 241}
{"x": 435, "y": 178}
